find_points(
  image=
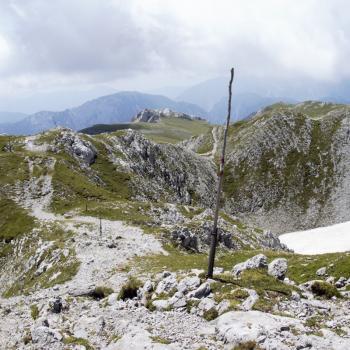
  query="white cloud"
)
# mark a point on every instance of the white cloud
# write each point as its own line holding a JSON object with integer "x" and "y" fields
{"x": 92, "y": 41}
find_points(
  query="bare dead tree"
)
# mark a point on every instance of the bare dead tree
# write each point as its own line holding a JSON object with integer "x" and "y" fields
{"x": 214, "y": 234}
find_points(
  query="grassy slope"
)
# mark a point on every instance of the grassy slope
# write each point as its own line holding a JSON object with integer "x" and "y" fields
{"x": 168, "y": 130}
{"x": 313, "y": 109}
{"x": 14, "y": 220}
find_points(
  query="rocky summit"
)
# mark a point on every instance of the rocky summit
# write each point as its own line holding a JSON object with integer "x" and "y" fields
{"x": 154, "y": 115}
{"x": 104, "y": 238}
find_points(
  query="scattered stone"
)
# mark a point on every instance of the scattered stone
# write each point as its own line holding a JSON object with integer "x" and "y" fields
{"x": 295, "y": 296}
{"x": 218, "y": 270}
{"x": 188, "y": 284}
{"x": 45, "y": 337}
{"x": 278, "y": 268}
{"x": 236, "y": 327}
{"x": 206, "y": 304}
{"x": 330, "y": 279}
{"x": 167, "y": 284}
{"x": 321, "y": 271}
{"x": 256, "y": 262}
{"x": 341, "y": 282}
{"x": 148, "y": 286}
{"x": 223, "y": 306}
{"x": 161, "y": 304}
{"x": 201, "y": 292}
{"x": 57, "y": 306}
{"x": 250, "y": 301}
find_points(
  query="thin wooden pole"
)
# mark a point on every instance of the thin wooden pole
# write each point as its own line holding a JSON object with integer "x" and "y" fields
{"x": 214, "y": 234}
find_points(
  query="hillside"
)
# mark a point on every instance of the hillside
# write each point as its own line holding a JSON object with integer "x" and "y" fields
{"x": 104, "y": 238}
{"x": 166, "y": 129}
{"x": 115, "y": 108}
{"x": 287, "y": 166}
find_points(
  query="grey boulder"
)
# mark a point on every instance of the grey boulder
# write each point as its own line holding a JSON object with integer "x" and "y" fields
{"x": 256, "y": 262}
{"x": 278, "y": 268}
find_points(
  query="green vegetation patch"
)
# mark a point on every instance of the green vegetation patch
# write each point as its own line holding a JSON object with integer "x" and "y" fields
{"x": 78, "y": 341}
{"x": 101, "y": 292}
{"x": 168, "y": 130}
{"x": 73, "y": 188}
{"x": 325, "y": 290}
{"x": 210, "y": 314}
{"x": 14, "y": 221}
{"x": 129, "y": 290}
{"x": 34, "y": 311}
{"x": 249, "y": 345}
{"x": 64, "y": 269}
{"x": 160, "y": 340}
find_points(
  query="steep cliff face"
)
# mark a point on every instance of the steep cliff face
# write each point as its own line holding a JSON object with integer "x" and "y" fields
{"x": 288, "y": 167}
{"x": 162, "y": 171}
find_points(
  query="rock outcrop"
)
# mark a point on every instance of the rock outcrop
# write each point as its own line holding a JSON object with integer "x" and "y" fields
{"x": 154, "y": 115}
{"x": 256, "y": 262}
{"x": 278, "y": 268}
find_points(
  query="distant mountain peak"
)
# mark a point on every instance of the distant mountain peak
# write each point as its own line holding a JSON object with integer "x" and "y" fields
{"x": 116, "y": 108}
{"x": 154, "y": 115}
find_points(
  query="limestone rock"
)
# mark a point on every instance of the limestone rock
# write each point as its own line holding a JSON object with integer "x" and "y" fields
{"x": 45, "y": 337}
{"x": 167, "y": 284}
{"x": 202, "y": 291}
{"x": 139, "y": 339}
{"x": 223, "y": 306}
{"x": 178, "y": 300}
{"x": 161, "y": 304}
{"x": 154, "y": 115}
{"x": 206, "y": 304}
{"x": 235, "y": 327}
{"x": 256, "y": 262}
{"x": 250, "y": 301}
{"x": 321, "y": 271}
{"x": 188, "y": 284}
{"x": 278, "y": 268}
{"x": 78, "y": 147}
{"x": 341, "y": 282}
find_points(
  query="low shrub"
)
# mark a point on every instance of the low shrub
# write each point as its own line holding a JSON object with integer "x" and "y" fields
{"x": 324, "y": 289}
{"x": 34, "y": 311}
{"x": 249, "y": 345}
{"x": 129, "y": 290}
{"x": 101, "y": 292}
{"x": 210, "y": 314}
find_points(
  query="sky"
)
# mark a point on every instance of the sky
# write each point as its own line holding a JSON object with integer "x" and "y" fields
{"x": 87, "y": 46}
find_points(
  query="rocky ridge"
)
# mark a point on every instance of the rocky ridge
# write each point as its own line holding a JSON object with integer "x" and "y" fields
{"x": 154, "y": 115}
{"x": 287, "y": 166}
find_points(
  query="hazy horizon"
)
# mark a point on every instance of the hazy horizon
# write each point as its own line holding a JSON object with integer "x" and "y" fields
{"x": 58, "y": 55}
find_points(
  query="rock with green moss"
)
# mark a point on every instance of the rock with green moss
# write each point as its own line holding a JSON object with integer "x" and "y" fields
{"x": 256, "y": 262}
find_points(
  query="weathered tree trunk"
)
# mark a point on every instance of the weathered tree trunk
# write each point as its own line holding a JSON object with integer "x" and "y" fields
{"x": 214, "y": 234}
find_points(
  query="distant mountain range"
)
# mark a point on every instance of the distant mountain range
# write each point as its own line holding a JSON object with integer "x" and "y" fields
{"x": 207, "y": 99}
{"x": 115, "y": 108}
{"x": 252, "y": 94}
{"x": 11, "y": 117}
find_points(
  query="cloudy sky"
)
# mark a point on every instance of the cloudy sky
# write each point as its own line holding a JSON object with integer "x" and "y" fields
{"x": 68, "y": 45}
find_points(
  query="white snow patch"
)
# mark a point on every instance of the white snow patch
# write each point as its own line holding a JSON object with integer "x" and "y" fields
{"x": 321, "y": 240}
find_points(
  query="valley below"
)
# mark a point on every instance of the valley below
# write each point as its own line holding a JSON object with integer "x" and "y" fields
{"x": 104, "y": 234}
